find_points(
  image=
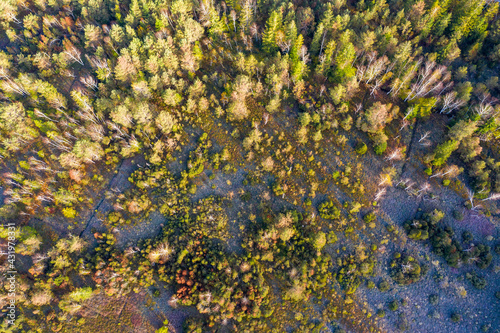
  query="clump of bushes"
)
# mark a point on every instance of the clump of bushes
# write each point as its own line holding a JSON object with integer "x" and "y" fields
{"x": 199, "y": 156}
{"x": 477, "y": 281}
{"x": 405, "y": 269}
{"x": 455, "y": 317}
{"x": 69, "y": 212}
{"x": 369, "y": 218}
{"x": 480, "y": 255}
{"x": 383, "y": 286}
{"x": 497, "y": 249}
{"x": 353, "y": 270}
{"x": 433, "y": 299}
{"x": 445, "y": 244}
{"x": 328, "y": 210}
{"x": 72, "y": 302}
{"x": 458, "y": 215}
{"x": 28, "y": 240}
{"x": 393, "y": 306}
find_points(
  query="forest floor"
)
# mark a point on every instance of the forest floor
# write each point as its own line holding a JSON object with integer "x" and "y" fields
{"x": 478, "y": 307}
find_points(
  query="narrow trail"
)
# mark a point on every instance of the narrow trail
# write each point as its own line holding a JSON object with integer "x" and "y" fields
{"x": 410, "y": 145}
{"x": 96, "y": 208}
{"x": 92, "y": 216}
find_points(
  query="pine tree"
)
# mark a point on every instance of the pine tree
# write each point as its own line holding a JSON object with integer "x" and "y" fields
{"x": 319, "y": 34}
{"x": 217, "y": 26}
{"x": 443, "y": 152}
{"x": 273, "y": 24}
{"x": 344, "y": 59}
{"x": 246, "y": 15}
{"x": 325, "y": 60}
{"x": 321, "y": 31}
{"x": 291, "y": 32}
{"x": 294, "y": 52}
{"x": 462, "y": 129}
{"x": 135, "y": 14}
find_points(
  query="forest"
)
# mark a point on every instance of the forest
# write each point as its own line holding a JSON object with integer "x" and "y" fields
{"x": 249, "y": 166}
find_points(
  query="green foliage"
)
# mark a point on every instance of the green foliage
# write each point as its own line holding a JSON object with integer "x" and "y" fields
{"x": 444, "y": 244}
{"x": 462, "y": 129}
{"x": 435, "y": 216}
{"x": 361, "y": 148}
{"x": 376, "y": 117}
{"x": 69, "y": 212}
{"x": 328, "y": 210}
{"x": 455, "y": 317}
{"x": 198, "y": 157}
{"x": 28, "y": 240}
{"x": 383, "y": 286}
{"x": 477, "y": 281}
{"x": 421, "y": 107}
{"x": 81, "y": 294}
{"x": 164, "y": 328}
{"x": 304, "y": 119}
{"x": 273, "y": 24}
{"x": 406, "y": 270}
{"x": 370, "y": 217}
{"x": 354, "y": 269}
{"x": 332, "y": 237}
{"x": 380, "y": 148}
{"x": 319, "y": 241}
{"x": 443, "y": 152}
{"x": 344, "y": 59}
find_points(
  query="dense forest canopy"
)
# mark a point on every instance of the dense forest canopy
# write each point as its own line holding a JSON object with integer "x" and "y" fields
{"x": 307, "y": 113}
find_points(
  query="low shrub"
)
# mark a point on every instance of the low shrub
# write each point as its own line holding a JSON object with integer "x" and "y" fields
{"x": 477, "y": 281}
{"x": 405, "y": 270}
{"x": 383, "y": 286}
{"x": 328, "y": 210}
{"x": 455, "y": 317}
{"x": 433, "y": 299}
{"x": 361, "y": 148}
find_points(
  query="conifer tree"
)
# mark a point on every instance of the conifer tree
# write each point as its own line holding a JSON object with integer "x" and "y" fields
{"x": 273, "y": 24}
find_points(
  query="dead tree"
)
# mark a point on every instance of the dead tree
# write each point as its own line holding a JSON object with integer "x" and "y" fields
{"x": 470, "y": 195}
{"x": 430, "y": 79}
{"x": 380, "y": 193}
{"x": 451, "y": 102}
